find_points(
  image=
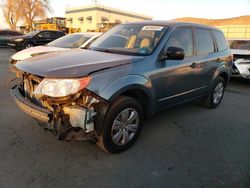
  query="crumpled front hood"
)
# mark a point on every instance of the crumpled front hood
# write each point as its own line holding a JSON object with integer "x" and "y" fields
{"x": 73, "y": 63}
{"x": 38, "y": 50}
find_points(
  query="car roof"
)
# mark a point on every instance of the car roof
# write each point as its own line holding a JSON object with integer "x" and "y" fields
{"x": 172, "y": 24}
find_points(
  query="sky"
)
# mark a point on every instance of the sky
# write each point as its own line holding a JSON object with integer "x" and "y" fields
{"x": 163, "y": 9}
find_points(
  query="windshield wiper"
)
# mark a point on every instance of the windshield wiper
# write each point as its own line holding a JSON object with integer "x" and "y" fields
{"x": 115, "y": 51}
{"x": 106, "y": 50}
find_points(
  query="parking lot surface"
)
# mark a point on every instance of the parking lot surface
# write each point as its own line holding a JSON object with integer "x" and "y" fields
{"x": 186, "y": 146}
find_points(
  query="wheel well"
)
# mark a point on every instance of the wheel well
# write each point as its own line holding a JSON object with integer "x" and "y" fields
{"x": 224, "y": 76}
{"x": 141, "y": 97}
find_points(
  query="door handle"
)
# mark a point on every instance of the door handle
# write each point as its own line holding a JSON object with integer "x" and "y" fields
{"x": 193, "y": 65}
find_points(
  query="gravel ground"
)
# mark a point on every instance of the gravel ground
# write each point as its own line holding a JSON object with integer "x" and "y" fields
{"x": 186, "y": 146}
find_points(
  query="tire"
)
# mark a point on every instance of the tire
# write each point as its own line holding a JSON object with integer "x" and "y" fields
{"x": 216, "y": 94}
{"x": 27, "y": 45}
{"x": 116, "y": 136}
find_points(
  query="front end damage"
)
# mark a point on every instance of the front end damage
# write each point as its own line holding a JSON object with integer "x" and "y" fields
{"x": 75, "y": 117}
{"x": 241, "y": 66}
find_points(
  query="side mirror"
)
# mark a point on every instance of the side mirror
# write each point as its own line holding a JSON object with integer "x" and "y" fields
{"x": 174, "y": 53}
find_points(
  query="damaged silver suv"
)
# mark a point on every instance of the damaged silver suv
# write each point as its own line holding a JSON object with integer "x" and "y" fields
{"x": 130, "y": 72}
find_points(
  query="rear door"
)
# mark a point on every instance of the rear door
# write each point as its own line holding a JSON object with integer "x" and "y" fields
{"x": 43, "y": 38}
{"x": 206, "y": 61}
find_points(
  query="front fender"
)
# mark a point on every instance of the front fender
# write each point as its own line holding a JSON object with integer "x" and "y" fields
{"x": 127, "y": 83}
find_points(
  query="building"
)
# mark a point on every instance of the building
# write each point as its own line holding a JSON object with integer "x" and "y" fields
{"x": 236, "y": 31}
{"x": 98, "y": 17}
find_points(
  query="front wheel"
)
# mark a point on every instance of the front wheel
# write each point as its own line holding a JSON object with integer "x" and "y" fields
{"x": 27, "y": 45}
{"x": 216, "y": 93}
{"x": 122, "y": 125}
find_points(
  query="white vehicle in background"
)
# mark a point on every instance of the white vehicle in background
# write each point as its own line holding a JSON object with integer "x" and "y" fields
{"x": 71, "y": 41}
{"x": 240, "y": 49}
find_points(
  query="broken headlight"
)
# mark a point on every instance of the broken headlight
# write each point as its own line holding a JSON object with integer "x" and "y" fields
{"x": 61, "y": 87}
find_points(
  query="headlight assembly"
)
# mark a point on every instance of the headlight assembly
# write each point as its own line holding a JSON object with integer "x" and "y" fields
{"x": 61, "y": 87}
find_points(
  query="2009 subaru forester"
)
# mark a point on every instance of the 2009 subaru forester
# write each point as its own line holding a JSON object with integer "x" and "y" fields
{"x": 130, "y": 72}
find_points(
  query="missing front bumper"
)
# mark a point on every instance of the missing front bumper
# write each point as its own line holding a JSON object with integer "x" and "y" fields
{"x": 37, "y": 112}
{"x": 72, "y": 123}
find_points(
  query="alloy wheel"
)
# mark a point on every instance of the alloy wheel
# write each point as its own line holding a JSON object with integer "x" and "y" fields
{"x": 218, "y": 93}
{"x": 125, "y": 126}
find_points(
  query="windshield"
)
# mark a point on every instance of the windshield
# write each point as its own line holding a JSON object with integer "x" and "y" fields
{"x": 32, "y": 33}
{"x": 133, "y": 39}
{"x": 239, "y": 44}
{"x": 69, "y": 41}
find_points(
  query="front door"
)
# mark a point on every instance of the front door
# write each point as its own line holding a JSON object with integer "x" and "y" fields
{"x": 43, "y": 38}
{"x": 176, "y": 80}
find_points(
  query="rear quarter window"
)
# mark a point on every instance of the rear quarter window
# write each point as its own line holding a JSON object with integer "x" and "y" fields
{"x": 220, "y": 40}
{"x": 204, "y": 42}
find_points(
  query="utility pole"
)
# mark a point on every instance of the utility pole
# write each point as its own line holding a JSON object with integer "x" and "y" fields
{"x": 95, "y": 2}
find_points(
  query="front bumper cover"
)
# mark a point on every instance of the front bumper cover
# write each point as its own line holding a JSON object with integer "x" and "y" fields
{"x": 70, "y": 124}
{"x": 35, "y": 111}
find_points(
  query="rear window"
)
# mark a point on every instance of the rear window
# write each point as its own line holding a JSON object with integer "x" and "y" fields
{"x": 204, "y": 42}
{"x": 220, "y": 40}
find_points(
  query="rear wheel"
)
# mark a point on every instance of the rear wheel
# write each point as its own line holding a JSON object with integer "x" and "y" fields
{"x": 216, "y": 94}
{"x": 122, "y": 125}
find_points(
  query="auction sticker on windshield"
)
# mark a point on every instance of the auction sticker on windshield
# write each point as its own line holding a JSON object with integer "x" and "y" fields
{"x": 152, "y": 28}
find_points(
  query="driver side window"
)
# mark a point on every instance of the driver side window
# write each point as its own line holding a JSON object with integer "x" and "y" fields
{"x": 182, "y": 38}
{"x": 44, "y": 35}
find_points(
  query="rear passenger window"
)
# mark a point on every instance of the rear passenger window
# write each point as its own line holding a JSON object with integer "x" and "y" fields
{"x": 182, "y": 38}
{"x": 204, "y": 42}
{"x": 220, "y": 40}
